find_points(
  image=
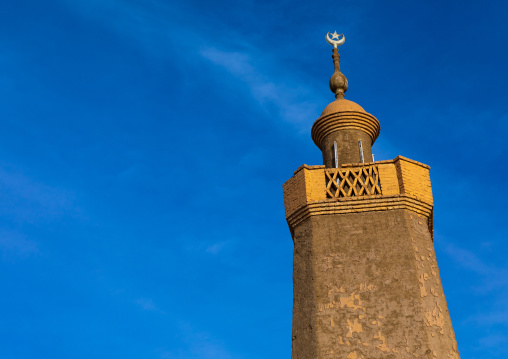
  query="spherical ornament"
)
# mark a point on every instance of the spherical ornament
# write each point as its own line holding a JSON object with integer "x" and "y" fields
{"x": 338, "y": 84}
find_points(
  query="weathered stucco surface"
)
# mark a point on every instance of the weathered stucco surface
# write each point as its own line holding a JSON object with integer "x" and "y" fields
{"x": 367, "y": 285}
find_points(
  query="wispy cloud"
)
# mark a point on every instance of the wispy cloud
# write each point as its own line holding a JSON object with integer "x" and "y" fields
{"x": 155, "y": 25}
{"x": 494, "y": 277}
{"x": 29, "y": 200}
{"x": 216, "y": 247}
{"x": 491, "y": 318}
{"x": 14, "y": 244}
{"x": 493, "y": 285}
{"x": 158, "y": 27}
{"x": 494, "y": 341}
{"x": 199, "y": 345}
{"x": 146, "y": 304}
{"x": 293, "y": 102}
{"x": 468, "y": 259}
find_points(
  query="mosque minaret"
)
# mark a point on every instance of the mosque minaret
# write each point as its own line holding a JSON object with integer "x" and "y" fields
{"x": 365, "y": 275}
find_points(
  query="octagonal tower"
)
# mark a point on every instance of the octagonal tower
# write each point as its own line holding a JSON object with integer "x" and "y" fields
{"x": 365, "y": 275}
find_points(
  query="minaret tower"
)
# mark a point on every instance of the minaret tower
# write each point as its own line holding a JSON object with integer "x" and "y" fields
{"x": 366, "y": 281}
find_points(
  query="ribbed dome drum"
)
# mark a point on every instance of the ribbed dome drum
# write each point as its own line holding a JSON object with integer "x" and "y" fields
{"x": 345, "y": 123}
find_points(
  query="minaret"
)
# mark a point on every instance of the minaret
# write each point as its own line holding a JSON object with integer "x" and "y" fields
{"x": 366, "y": 281}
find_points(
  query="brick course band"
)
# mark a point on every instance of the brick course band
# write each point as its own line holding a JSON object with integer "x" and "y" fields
{"x": 342, "y": 121}
{"x": 361, "y": 204}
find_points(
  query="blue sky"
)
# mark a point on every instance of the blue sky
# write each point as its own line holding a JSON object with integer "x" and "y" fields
{"x": 144, "y": 145}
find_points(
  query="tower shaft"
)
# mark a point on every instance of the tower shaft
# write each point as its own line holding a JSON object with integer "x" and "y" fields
{"x": 366, "y": 280}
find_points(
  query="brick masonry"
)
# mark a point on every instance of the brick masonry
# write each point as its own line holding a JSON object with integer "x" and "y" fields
{"x": 366, "y": 280}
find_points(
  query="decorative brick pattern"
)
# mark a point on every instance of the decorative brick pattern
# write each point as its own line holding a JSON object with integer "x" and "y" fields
{"x": 352, "y": 182}
{"x": 380, "y": 186}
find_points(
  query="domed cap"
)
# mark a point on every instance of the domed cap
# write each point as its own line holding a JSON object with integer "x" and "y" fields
{"x": 343, "y": 114}
{"x": 342, "y": 105}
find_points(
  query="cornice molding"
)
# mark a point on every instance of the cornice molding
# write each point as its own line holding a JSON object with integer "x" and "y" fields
{"x": 342, "y": 121}
{"x": 361, "y": 204}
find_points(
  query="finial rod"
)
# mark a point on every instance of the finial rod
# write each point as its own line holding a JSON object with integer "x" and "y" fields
{"x": 338, "y": 82}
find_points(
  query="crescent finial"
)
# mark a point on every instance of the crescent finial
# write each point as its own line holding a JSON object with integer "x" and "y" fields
{"x": 337, "y": 42}
{"x": 338, "y": 82}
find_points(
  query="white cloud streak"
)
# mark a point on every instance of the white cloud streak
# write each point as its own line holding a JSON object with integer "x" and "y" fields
{"x": 292, "y": 102}
{"x": 199, "y": 345}
{"x": 493, "y": 279}
{"x": 216, "y": 248}
{"x": 15, "y": 245}
{"x": 29, "y": 200}
{"x": 146, "y": 304}
{"x": 158, "y": 28}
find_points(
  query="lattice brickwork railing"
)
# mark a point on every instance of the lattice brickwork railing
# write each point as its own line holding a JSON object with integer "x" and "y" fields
{"x": 352, "y": 182}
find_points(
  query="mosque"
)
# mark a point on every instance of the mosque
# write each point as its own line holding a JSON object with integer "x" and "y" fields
{"x": 365, "y": 275}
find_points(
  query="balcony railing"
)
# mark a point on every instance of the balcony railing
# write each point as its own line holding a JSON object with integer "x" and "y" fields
{"x": 352, "y": 182}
